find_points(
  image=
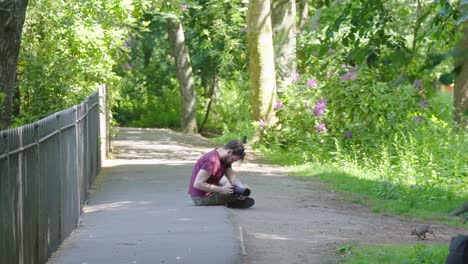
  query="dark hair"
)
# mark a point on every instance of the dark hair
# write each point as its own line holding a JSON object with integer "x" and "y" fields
{"x": 237, "y": 148}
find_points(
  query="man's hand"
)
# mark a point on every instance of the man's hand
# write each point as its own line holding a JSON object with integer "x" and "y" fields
{"x": 226, "y": 189}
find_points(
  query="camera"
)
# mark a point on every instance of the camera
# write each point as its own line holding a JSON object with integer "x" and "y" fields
{"x": 241, "y": 191}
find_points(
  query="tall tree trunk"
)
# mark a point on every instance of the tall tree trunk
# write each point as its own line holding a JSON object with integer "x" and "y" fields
{"x": 12, "y": 15}
{"x": 184, "y": 76}
{"x": 461, "y": 82}
{"x": 303, "y": 11}
{"x": 261, "y": 61}
{"x": 284, "y": 37}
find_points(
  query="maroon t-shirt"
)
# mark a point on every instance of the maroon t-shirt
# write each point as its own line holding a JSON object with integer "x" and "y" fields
{"x": 211, "y": 162}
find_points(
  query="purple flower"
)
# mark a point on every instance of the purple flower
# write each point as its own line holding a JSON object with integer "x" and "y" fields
{"x": 184, "y": 7}
{"x": 311, "y": 83}
{"x": 418, "y": 119}
{"x": 348, "y": 134}
{"x": 295, "y": 76}
{"x": 292, "y": 78}
{"x": 424, "y": 104}
{"x": 278, "y": 105}
{"x": 321, "y": 127}
{"x": 349, "y": 76}
{"x": 319, "y": 108}
{"x": 418, "y": 84}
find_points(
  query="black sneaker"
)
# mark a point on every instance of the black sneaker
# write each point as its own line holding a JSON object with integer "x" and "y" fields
{"x": 243, "y": 204}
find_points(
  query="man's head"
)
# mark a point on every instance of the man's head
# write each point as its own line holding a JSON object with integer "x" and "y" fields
{"x": 234, "y": 151}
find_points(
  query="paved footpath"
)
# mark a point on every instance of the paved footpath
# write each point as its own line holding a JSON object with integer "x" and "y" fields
{"x": 139, "y": 210}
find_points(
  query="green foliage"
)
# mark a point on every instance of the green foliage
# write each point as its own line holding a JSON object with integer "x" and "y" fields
{"x": 367, "y": 96}
{"x": 443, "y": 102}
{"x": 243, "y": 130}
{"x": 214, "y": 36}
{"x": 417, "y": 254}
{"x": 217, "y": 37}
{"x": 422, "y": 254}
{"x": 388, "y": 190}
{"x": 407, "y": 37}
{"x": 161, "y": 111}
{"x": 68, "y": 49}
{"x": 345, "y": 249}
{"x": 149, "y": 96}
{"x": 232, "y": 109}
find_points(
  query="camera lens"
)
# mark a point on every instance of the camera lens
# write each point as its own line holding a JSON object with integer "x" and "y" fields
{"x": 241, "y": 191}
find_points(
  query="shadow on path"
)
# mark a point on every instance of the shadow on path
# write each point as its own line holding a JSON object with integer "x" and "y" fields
{"x": 140, "y": 212}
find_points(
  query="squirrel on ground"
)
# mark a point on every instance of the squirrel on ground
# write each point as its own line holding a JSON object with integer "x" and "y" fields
{"x": 421, "y": 231}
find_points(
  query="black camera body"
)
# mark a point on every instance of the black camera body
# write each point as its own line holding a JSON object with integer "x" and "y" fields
{"x": 241, "y": 191}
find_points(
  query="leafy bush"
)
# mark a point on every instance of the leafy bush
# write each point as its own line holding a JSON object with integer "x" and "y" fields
{"x": 367, "y": 97}
{"x": 67, "y": 50}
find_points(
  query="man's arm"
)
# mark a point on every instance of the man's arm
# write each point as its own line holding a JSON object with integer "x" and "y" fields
{"x": 233, "y": 179}
{"x": 201, "y": 184}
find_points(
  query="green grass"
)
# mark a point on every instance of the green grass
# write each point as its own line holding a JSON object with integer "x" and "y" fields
{"x": 394, "y": 254}
{"x": 386, "y": 197}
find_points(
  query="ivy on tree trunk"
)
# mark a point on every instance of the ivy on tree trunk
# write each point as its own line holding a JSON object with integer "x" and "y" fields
{"x": 12, "y": 15}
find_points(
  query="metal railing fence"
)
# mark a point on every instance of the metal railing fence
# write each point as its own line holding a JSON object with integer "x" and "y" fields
{"x": 46, "y": 169}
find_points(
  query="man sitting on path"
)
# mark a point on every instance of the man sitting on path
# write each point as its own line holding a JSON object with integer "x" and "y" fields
{"x": 207, "y": 184}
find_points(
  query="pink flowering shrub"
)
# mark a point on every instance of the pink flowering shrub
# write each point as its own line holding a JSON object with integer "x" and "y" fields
{"x": 345, "y": 105}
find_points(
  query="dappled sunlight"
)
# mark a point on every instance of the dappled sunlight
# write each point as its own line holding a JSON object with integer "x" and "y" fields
{"x": 157, "y": 150}
{"x": 154, "y": 135}
{"x": 107, "y": 207}
{"x": 118, "y": 162}
{"x": 135, "y": 132}
{"x": 147, "y": 148}
{"x": 135, "y": 146}
{"x": 269, "y": 236}
{"x": 145, "y": 202}
{"x": 329, "y": 237}
{"x": 264, "y": 170}
{"x": 113, "y": 206}
{"x": 312, "y": 239}
{"x": 162, "y": 145}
